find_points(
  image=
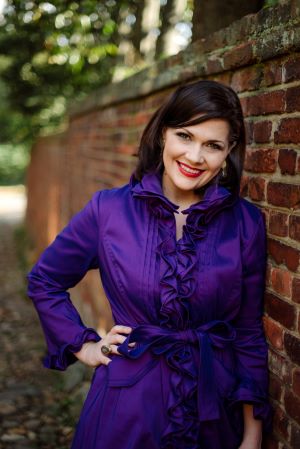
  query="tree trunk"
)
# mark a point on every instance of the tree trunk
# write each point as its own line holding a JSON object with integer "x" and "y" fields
{"x": 212, "y": 15}
{"x": 137, "y": 31}
{"x": 166, "y": 13}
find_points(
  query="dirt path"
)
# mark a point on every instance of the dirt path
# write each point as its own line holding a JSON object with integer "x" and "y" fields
{"x": 34, "y": 407}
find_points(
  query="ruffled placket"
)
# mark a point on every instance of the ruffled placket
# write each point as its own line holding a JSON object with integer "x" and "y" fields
{"x": 188, "y": 403}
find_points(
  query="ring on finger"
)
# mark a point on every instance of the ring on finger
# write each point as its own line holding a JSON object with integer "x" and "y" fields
{"x": 106, "y": 349}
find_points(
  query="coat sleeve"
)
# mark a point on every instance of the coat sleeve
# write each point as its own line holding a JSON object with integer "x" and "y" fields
{"x": 251, "y": 351}
{"x": 61, "y": 266}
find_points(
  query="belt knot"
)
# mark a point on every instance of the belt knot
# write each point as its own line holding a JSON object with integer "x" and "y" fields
{"x": 188, "y": 336}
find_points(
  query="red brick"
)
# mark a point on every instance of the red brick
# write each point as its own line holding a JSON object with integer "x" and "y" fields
{"x": 141, "y": 118}
{"x": 296, "y": 381}
{"x": 256, "y": 188}
{"x": 224, "y": 78}
{"x": 288, "y": 131}
{"x": 244, "y": 185}
{"x": 287, "y": 161}
{"x": 278, "y": 223}
{"x": 292, "y": 347}
{"x": 276, "y": 387}
{"x": 293, "y": 99}
{"x": 295, "y": 436}
{"x": 249, "y": 131}
{"x": 294, "y": 228}
{"x": 270, "y": 442}
{"x": 272, "y": 73}
{"x": 296, "y": 290}
{"x": 262, "y": 131}
{"x": 268, "y": 103}
{"x": 238, "y": 56}
{"x": 292, "y": 406}
{"x": 280, "y": 310}
{"x": 243, "y": 102}
{"x": 214, "y": 65}
{"x": 283, "y": 254}
{"x": 127, "y": 149}
{"x": 283, "y": 195}
{"x": 248, "y": 78}
{"x": 261, "y": 160}
{"x": 265, "y": 213}
{"x": 274, "y": 333}
{"x": 280, "y": 367}
{"x": 291, "y": 69}
{"x": 281, "y": 281}
{"x": 298, "y": 165}
{"x": 281, "y": 423}
{"x": 268, "y": 274}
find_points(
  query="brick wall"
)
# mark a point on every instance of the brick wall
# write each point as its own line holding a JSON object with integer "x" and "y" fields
{"x": 259, "y": 57}
{"x": 45, "y": 190}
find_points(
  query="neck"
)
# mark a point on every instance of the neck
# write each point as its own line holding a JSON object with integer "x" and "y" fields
{"x": 182, "y": 199}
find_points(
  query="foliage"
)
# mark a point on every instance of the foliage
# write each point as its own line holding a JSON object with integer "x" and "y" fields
{"x": 13, "y": 160}
{"x": 270, "y": 3}
{"x": 52, "y": 52}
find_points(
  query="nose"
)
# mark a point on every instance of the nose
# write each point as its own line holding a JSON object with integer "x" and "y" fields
{"x": 196, "y": 155}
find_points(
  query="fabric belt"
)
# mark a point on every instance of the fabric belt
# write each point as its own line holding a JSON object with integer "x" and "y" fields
{"x": 214, "y": 334}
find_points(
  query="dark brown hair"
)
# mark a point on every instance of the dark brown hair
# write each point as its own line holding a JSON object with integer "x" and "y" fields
{"x": 188, "y": 105}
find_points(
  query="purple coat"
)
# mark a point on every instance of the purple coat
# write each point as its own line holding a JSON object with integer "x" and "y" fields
{"x": 195, "y": 305}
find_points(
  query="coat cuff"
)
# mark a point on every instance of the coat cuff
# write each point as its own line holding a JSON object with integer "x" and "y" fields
{"x": 248, "y": 391}
{"x": 64, "y": 355}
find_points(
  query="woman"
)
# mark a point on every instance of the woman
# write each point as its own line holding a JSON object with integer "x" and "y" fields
{"x": 182, "y": 259}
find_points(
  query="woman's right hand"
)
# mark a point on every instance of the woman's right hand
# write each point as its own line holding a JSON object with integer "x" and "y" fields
{"x": 90, "y": 353}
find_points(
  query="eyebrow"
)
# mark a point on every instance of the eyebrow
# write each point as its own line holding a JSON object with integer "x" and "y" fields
{"x": 209, "y": 140}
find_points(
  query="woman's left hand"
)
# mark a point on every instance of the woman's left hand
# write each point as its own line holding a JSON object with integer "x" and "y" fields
{"x": 249, "y": 445}
{"x": 252, "y": 438}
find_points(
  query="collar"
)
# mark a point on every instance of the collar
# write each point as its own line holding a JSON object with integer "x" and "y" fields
{"x": 215, "y": 196}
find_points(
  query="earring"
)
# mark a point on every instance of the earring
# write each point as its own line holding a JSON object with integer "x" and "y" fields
{"x": 223, "y": 173}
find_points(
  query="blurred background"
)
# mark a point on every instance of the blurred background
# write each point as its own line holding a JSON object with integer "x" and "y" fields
{"x": 54, "y": 52}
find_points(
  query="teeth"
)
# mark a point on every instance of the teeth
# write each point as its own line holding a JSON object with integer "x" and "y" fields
{"x": 189, "y": 170}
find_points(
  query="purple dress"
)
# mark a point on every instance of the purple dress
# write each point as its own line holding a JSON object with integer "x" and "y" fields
{"x": 195, "y": 305}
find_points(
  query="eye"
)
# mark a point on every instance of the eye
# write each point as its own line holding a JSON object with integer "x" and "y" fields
{"x": 183, "y": 136}
{"x": 214, "y": 146}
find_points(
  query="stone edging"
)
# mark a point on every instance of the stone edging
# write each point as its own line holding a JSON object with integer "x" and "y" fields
{"x": 252, "y": 39}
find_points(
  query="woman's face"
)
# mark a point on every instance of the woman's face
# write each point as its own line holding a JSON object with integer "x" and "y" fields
{"x": 193, "y": 155}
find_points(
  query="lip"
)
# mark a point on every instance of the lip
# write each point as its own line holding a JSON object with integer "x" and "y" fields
{"x": 181, "y": 166}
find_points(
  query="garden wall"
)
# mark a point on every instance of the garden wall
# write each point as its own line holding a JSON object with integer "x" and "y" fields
{"x": 259, "y": 57}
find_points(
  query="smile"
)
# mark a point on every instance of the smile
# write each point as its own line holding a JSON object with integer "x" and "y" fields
{"x": 188, "y": 171}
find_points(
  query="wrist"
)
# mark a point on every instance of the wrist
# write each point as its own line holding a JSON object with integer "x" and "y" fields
{"x": 252, "y": 440}
{"x": 83, "y": 349}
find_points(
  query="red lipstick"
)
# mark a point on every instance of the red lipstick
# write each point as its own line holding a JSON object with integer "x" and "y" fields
{"x": 188, "y": 171}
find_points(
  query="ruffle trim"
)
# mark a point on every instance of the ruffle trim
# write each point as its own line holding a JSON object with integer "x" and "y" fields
{"x": 65, "y": 357}
{"x": 178, "y": 283}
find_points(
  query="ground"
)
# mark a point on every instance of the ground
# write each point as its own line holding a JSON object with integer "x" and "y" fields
{"x": 35, "y": 402}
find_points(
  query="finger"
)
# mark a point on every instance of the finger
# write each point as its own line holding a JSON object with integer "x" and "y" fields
{"x": 105, "y": 360}
{"x": 120, "y": 329}
{"x": 116, "y": 338}
{"x": 114, "y": 349}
